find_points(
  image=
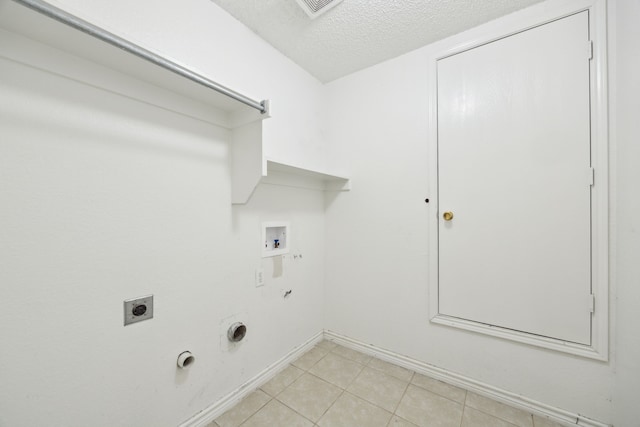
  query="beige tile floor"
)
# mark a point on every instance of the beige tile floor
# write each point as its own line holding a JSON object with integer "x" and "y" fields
{"x": 333, "y": 386}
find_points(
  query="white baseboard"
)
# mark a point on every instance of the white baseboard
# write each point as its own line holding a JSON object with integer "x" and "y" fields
{"x": 555, "y": 414}
{"x": 558, "y": 415}
{"x": 212, "y": 412}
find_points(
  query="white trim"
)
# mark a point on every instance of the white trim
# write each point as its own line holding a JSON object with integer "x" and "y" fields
{"x": 600, "y": 190}
{"x": 212, "y": 412}
{"x": 516, "y": 22}
{"x": 522, "y": 337}
{"x": 558, "y": 415}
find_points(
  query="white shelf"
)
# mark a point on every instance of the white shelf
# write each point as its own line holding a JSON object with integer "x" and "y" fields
{"x": 328, "y": 178}
{"x": 279, "y": 173}
{"x": 250, "y": 168}
{"x": 31, "y": 39}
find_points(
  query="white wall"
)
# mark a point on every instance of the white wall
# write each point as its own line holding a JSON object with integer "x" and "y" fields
{"x": 104, "y": 198}
{"x": 377, "y": 260}
{"x": 626, "y": 223}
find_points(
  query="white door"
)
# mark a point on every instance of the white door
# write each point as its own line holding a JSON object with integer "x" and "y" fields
{"x": 514, "y": 169}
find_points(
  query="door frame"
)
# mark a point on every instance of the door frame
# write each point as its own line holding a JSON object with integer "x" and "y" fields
{"x": 534, "y": 16}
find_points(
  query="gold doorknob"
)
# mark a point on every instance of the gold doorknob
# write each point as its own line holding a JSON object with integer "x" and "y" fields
{"x": 448, "y": 216}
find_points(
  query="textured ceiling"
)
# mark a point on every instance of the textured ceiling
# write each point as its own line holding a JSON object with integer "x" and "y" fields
{"x": 359, "y": 33}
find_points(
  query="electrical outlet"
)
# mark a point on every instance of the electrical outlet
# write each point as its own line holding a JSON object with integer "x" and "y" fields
{"x": 259, "y": 277}
{"x": 138, "y": 309}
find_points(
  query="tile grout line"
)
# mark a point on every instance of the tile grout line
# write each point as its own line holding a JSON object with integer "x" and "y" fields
{"x": 400, "y": 401}
{"x": 364, "y": 366}
{"x": 304, "y": 371}
{"x": 368, "y": 364}
{"x": 298, "y": 413}
{"x": 265, "y": 404}
{"x": 315, "y": 423}
{"x": 331, "y": 406}
{"x": 384, "y": 361}
{"x": 281, "y": 391}
{"x": 499, "y": 417}
{"x": 294, "y": 410}
{"x": 316, "y": 362}
{"x": 440, "y": 395}
{"x": 464, "y": 406}
{"x": 403, "y": 393}
{"x": 344, "y": 390}
{"x": 373, "y": 403}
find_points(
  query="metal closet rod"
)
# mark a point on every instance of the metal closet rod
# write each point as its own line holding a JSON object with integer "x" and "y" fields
{"x": 97, "y": 32}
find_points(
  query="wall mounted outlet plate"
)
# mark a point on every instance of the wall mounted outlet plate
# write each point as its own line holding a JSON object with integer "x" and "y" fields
{"x": 259, "y": 277}
{"x": 138, "y": 309}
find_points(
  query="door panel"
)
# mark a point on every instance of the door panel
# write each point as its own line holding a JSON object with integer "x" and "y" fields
{"x": 513, "y": 165}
